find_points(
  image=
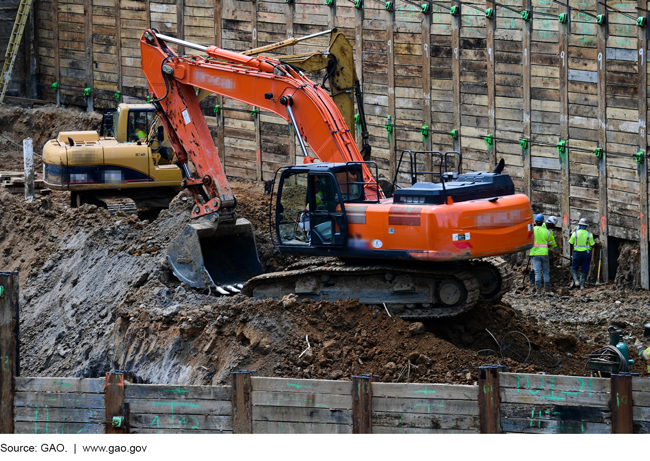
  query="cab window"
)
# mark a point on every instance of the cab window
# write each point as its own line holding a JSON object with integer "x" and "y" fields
{"x": 139, "y": 124}
{"x": 349, "y": 189}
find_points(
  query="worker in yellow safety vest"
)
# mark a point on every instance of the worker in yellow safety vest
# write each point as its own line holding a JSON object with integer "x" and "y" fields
{"x": 543, "y": 238}
{"x": 139, "y": 133}
{"x": 582, "y": 241}
{"x": 645, "y": 353}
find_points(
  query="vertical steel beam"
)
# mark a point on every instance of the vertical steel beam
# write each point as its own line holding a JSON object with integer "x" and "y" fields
{"x": 361, "y": 405}
{"x": 28, "y": 161}
{"x": 621, "y": 404}
{"x": 455, "y": 70}
{"x": 390, "y": 37}
{"x": 288, "y": 14}
{"x": 642, "y": 59}
{"x": 148, "y": 7}
{"x": 55, "y": 44}
{"x": 9, "y": 348}
{"x": 564, "y": 131}
{"x": 489, "y": 400}
{"x": 117, "y": 418}
{"x": 242, "y": 402}
{"x": 180, "y": 6}
{"x": 88, "y": 32}
{"x": 118, "y": 43}
{"x": 256, "y": 118}
{"x": 358, "y": 58}
{"x": 221, "y": 144}
{"x": 527, "y": 29}
{"x": 602, "y": 142}
{"x": 490, "y": 27}
{"x": 426, "y": 84}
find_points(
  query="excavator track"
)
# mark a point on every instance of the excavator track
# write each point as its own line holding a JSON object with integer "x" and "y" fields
{"x": 115, "y": 204}
{"x": 411, "y": 292}
{"x": 493, "y": 276}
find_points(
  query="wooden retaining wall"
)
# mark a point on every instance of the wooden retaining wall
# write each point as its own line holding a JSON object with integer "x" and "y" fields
{"x": 502, "y": 78}
{"x": 500, "y": 403}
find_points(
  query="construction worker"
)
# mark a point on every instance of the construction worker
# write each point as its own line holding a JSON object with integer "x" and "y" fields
{"x": 139, "y": 132}
{"x": 550, "y": 225}
{"x": 645, "y": 353}
{"x": 582, "y": 241}
{"x": 539, "y": 254}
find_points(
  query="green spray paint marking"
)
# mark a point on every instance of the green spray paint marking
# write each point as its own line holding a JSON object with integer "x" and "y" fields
{"x": 62, "y": 384}
{"x": 321, "y": 405}
{"x": 425, "y": 391}
{"x": 80, "y": 430}
{"x": 157, "y": 421}
{"x": 518, "y": 383}
{"x": 176, "y": 391}
{"x": 582, "y": 385}
{"x": 47, "y": 418}
{"x": 52, "y": 400}
{"x": 359, "y": 390}
{"x": 36, "y": 421}
{"x": 298, "y": 386}
{"x": 552, "y": 397}
{"x": 197, "y": 423}
{"x": 541, "y": 384}
{"x": 428, "y": 405}
{"x": 532, "y": 415}
{"x": 589, "y": 387}
{"x": 181, "y": 404}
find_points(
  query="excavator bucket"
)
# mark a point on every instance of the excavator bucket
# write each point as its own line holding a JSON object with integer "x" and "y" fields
{"x": 213, "y": 254}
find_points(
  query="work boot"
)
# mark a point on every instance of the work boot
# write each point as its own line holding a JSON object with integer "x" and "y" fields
{"x": 583, "y": 279}
{"x": 538, "y": 287}
{"x": 575, "y": 282}
{"x": 547, "y": 288}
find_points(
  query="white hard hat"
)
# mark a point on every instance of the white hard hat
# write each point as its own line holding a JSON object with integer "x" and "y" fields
{"x": 551, "y": 220}
{"x": 582, "y": 222}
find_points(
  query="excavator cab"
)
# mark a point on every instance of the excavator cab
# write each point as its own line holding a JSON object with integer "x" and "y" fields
{"x": 310, "y": 206}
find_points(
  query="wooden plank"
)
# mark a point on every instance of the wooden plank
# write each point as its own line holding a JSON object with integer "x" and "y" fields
{"x": 9, "y": 349}
{"x": 527, "y": 73}
{"x": 300, "y": 414}
{"x": 400, "y": 430}
{"x": 419, "y": 391}
{"x": 172, "y": 406}
{"x": 621, "y": 404}
{"x": 424, "y": 421}
{"x": 302, "y": 386}
{"x": 274, "y": 427}
{"x": 297, "y": 399}
{"x": 181, "y": 420}
{"x": 59, "y": 400}
{"x": 58, "y": 428}
{"x": 490, "y": 27}
{"x": 59, "y": 415}
{"x": 390, "y": 36}
{"x": 568, "y": 398}
{"x": 428, "y": 406}
{"x": 553, "y": 382}
{"x": 489, "y": 400}
{"x": 115, "y": 403}
{"x": 242, "y": 407}
{"x": 643, "y": 146}
{"x": 554, "y": 412}
{"x": 66, "y": 385}
{"x": 602, "y": 142}
{"x": 170, "y": 391}
{"x": 540, "y": 426}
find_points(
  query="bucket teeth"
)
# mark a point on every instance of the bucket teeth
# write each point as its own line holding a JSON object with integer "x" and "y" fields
{"x": 233, "y": 289}
{"x": 239, "y": 285}
{"x": 222, "y": 291}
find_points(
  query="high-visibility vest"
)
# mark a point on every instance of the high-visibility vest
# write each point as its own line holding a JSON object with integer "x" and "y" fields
{"x": 542, "y": 238}
{"x": 579, "y": 243}
{"x": 142, "y": 137}
{"x": 646, "y": 356}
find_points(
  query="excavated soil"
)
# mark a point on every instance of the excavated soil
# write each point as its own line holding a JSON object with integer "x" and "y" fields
{"x": 41, "y": 124}
{"x": 98, "y": 295}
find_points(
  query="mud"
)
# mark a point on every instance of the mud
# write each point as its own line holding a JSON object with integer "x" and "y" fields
{"x": 97, "y": 295}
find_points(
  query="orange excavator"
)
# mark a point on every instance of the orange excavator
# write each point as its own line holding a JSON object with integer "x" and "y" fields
{"x": 416, "y": 251}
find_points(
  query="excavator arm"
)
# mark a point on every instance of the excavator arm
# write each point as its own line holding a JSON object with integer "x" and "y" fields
{"x": 260, "y": 81}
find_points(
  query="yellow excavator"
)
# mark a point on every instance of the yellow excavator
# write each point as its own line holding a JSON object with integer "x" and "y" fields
{"x": 129, "y": 164}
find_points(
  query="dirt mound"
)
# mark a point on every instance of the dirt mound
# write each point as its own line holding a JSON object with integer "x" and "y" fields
{"x": 41, "y": 124}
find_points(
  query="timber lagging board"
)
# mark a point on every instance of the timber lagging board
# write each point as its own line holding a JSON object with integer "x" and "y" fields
{"x": 503, "y": 76}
